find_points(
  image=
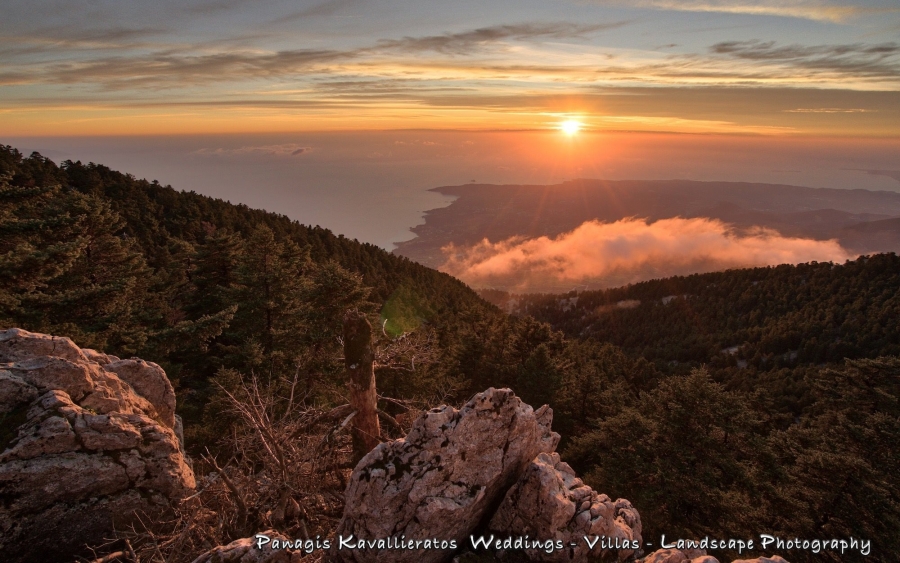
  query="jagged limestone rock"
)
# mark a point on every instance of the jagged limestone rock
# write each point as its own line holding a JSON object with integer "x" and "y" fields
{"x": 81, "y": 447}
{"x": 549, "y": 502}
{"x": 441, "y": 481}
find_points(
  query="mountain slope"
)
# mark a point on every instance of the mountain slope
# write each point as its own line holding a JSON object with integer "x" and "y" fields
{"x": 768, "y": 317}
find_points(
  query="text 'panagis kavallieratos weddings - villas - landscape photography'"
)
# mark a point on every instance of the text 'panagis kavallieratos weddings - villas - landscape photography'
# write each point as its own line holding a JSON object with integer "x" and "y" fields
{"x": 408, "y": 281}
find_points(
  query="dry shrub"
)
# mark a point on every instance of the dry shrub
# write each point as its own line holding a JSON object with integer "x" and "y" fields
{"x": 283, "y": 465}
{"x": 281, "y": 462}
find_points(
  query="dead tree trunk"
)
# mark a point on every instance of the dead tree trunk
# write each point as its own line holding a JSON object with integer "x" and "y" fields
{"x": 359, "y": 359}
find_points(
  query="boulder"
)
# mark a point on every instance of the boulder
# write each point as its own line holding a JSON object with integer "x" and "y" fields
{"x": 550, "y": 502}
{"x": 443, "y": 479}
{"x": 82, "y": 450}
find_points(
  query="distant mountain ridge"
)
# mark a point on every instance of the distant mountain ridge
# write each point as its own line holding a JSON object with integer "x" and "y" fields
{"x": 498, "y": 212}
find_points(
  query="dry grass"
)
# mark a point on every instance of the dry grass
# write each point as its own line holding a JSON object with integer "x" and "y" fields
{"x": 284, "y": 466}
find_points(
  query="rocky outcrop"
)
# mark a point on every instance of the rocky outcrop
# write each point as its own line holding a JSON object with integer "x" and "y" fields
{"x": 487, "y": 470}
{"x": 550, "y": 502}
{"x": 444, "y": 478}
{"x": 87, "y": 440}
{"x": 699, "y": 556}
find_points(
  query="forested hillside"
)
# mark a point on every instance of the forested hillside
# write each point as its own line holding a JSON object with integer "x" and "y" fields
{"x": 719, "y": 404}
{"x": 761, "y": 398}
{"x": 762, "y": 317}
{"x": 206, "y": 287}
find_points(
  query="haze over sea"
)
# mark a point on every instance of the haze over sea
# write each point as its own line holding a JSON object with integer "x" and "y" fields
{"x": 372, "y": 186}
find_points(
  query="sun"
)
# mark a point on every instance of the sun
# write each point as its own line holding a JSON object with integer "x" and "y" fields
{"x": 570, "y": 127}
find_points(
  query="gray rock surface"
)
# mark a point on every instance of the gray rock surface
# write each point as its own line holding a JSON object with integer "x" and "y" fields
{"x": 550, "y": 502}
{"x": 81, "y": 449}
{"x": 442, "y": 480}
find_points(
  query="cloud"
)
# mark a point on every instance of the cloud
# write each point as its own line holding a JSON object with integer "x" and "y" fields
{"x": 327, "y": 8}
{"x": 423, "y": 69}
{"x": 464, "y": 42}
{"x": 216, "y": 6}
{"x": 287, "y": 149}
{"x": 769, "y": 50}
{"x": 859, "y": 59}
{"x": 172, "y": 69}
{"x": 829, "y": 110}
{"x": 626, "y": 251}
{"x": 69, "y": 38}
{"x": 816, "y": 10}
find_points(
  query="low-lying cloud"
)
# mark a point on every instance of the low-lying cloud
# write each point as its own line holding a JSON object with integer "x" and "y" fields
{"x": 628, "y": 251}
{"x": 287, "y": 149}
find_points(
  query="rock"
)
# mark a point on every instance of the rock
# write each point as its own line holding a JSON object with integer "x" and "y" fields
{"x": 84, "y": 449}
{"x": 99, "y": 357}
{"x": 676, "y": 556}
{"x": 17, "y": 345}
{"x": 246, "y": 551}
{"x": 150, "y": 381}
{"x": 441, "y": 480}
{"x": 698, "y": 556}
{"x": 550, "y": 502}
{"x": 666, "y": 556}
{"x": 14, "y": 391}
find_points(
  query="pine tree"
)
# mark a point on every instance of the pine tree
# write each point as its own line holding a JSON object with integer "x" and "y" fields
{"x": 71, "y": 268}
{"x": 39, "y": 240}
{"x": 268, "y": 296}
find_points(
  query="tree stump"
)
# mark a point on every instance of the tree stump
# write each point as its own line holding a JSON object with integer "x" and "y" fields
{"x": 359, "y": 359}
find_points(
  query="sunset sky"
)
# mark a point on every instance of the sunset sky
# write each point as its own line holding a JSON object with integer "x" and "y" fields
{"x": 781, "y": 67}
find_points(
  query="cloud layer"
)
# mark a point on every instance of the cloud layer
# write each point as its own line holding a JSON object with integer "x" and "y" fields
{"x": 626, "y": 251}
